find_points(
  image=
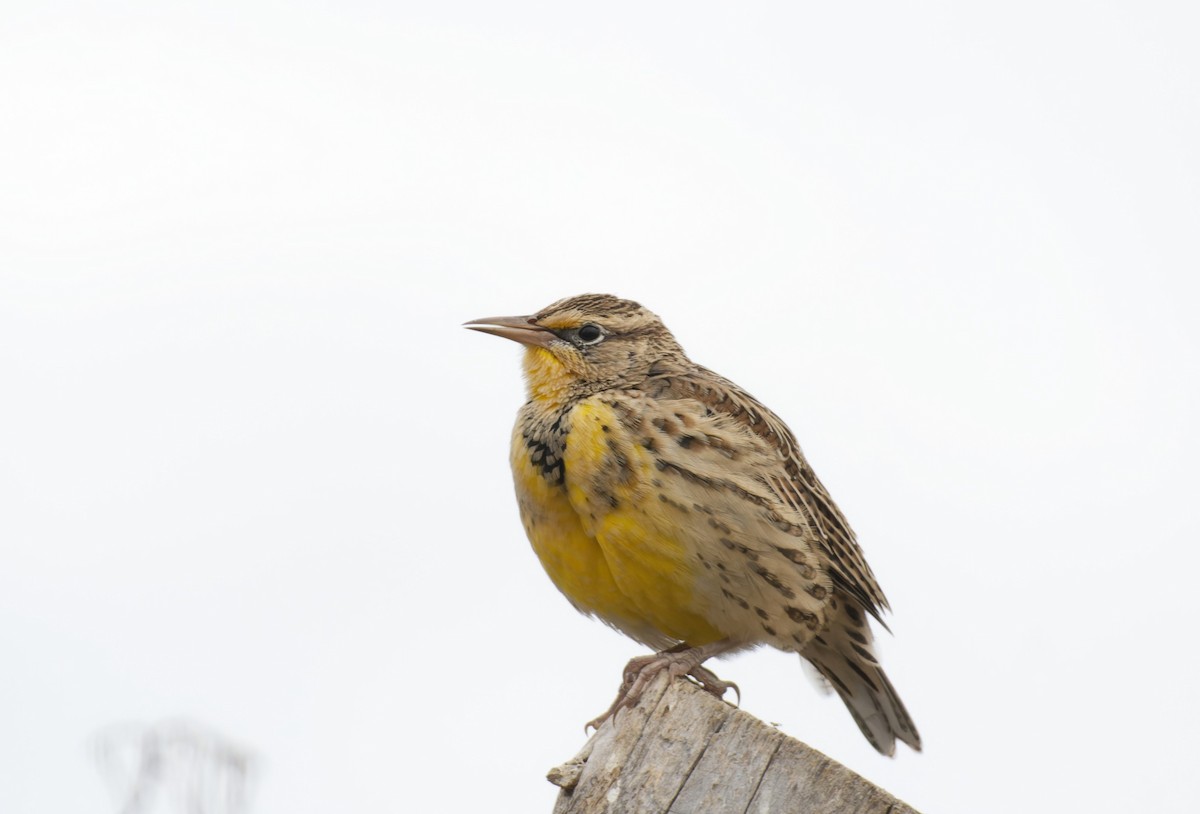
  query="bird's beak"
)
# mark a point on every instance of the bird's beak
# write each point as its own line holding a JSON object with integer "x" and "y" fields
{"x": 519, "y": 329}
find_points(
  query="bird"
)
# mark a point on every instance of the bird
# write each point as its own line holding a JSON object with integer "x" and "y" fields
{"x": 666, "y": 501}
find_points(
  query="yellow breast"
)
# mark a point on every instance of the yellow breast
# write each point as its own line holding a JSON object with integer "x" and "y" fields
{"x": 570, "y": 554}
{"x": 611, "y": 484}
{"x": 601, "y": 533}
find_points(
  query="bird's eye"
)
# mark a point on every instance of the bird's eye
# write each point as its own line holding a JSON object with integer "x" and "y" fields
{"x": 590, "y": 334}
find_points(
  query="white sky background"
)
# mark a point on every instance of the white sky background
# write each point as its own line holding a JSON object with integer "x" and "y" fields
{"x": 254, "y": 473}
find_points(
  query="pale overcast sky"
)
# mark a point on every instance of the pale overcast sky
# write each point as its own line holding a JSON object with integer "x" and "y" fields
{"x": 254, "y": 475}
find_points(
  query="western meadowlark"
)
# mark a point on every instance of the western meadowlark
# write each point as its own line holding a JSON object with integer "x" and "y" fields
{"x": 668, "y": 502}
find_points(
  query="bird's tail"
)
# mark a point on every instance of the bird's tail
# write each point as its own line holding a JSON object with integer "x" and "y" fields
{"x": 843, "y": 656}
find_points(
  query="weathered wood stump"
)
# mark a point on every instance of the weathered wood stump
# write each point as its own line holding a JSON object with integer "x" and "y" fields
{"x": 680, "y": 750}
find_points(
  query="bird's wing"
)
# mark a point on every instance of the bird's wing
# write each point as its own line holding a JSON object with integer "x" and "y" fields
{"x": 795, "y": 484}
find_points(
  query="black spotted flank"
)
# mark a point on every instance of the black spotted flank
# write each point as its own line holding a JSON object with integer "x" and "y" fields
{"x": 809, "y": 620}
{"x": 741, "y": 602}
{"x": 773, "y": 580}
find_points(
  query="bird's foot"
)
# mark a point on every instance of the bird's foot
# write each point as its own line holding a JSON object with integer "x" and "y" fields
{"x": 678, "y": 661}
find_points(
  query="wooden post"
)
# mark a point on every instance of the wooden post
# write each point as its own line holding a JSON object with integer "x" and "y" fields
{"x": 680, "y": 750}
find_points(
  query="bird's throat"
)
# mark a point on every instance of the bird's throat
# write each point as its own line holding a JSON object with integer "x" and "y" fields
{"x": 548, "y": 381}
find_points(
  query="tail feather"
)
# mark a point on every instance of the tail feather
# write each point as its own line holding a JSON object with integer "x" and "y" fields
{"x": 843, "y": 655}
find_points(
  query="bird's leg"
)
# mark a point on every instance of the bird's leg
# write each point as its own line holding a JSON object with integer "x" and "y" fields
{"x": 680, "y": 660}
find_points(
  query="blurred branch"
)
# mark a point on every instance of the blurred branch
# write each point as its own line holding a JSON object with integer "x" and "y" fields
{"x": 199, "y": 771}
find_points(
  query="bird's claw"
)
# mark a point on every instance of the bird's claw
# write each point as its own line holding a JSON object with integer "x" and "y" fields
{"x": 678, "y": 662}
{"x": 709, "y": 682}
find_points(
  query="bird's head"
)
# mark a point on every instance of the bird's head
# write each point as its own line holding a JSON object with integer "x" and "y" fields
{"x": 585, "y": 344}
